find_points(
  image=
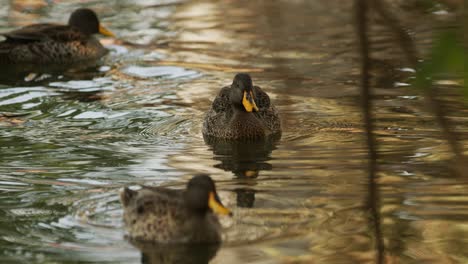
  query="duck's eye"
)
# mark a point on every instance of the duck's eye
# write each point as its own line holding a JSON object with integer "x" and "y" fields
{"x": 140, "y": 209}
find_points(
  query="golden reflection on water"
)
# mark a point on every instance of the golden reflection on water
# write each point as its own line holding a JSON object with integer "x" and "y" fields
{"x": 308, "y": 209}
{"x": 298, "y": 200}
{"x": 22, "y": 13}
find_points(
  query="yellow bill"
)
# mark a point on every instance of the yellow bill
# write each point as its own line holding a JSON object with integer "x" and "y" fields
{"x": 249, "y": 102}
{"x": 216, "y": 205}
{"x": 104, "y": 31}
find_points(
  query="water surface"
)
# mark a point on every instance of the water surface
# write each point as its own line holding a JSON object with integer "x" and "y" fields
{"x": 69, "y": 140}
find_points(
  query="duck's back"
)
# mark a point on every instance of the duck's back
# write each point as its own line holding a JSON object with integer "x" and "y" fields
{"x": 49, "y": 43}
{"x": 160, "y": 214}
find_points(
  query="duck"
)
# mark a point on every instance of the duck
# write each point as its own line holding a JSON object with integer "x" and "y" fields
{"x": 170, "y": 216}
{"x": 241, "y": 111}
{"x": 55, "y": 43}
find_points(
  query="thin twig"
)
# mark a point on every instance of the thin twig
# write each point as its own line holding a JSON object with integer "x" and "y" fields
{"x": 366, "y": 101}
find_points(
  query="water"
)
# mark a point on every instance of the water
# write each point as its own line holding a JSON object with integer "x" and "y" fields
{"x": 71, "y": 139}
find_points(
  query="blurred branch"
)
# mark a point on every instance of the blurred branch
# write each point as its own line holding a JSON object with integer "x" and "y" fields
{"x": 408, "y": 47}
{"x": 362, "y": 8}
{"x": 454, "y": 4}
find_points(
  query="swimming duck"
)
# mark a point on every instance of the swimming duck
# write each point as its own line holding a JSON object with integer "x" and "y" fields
{"x": 53, "y": 43}
{"x": 242, "y": 111}
{"x": 174, "y": 216}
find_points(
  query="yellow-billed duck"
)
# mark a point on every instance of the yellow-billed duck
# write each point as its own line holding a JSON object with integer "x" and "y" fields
{"x": 54, "y": 43}
{"x": 174, "y": 216}
{"x": 242, "y": 111}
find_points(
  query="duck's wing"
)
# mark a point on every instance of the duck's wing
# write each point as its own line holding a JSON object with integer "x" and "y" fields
{"x": 268, "y": 113}
{"x": 153, "y": 213}
{"x": 261, "y": 98}
{"x": 40, "y": 32}
{"x": 161, "y": 194}
{"x": 222, "y": 103}
{"x": 147, "y": 198}
{"x": 156, "y": 201}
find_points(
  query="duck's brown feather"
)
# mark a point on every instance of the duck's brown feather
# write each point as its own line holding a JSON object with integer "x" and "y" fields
{"x": 222, "y": 121}
{"x": 49, "y": 43}
{"x": 160, "y": 214}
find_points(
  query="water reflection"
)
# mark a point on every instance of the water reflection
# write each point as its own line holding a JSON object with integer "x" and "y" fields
{"x": 245, "y": 197}
{"x": 70, "y": 139}
{"x": 24, "y": 74}
{"x": 153, "y": 253}
{"x": 245, "y": 159}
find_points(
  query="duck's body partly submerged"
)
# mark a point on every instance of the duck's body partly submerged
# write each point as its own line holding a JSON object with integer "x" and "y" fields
{"x": 174, "y": 216}
{"x": 53, "y": 43}
{"x": 242, "y": 111}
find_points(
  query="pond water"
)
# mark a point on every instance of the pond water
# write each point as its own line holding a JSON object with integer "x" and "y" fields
{"x": 70, "y": 140}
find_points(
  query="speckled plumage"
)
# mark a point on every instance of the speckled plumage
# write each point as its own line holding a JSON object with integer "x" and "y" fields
{"x": 163, "y": 215}
{"x": 224, "y": 121}
{"x": 53, "y": 43}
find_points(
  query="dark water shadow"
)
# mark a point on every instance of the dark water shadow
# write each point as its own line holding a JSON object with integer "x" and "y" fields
{"x": 22, "y": 75}
{"x": 245, "y": 159}
{"x": 154, "y": 253}
{"x": 41, "y": 74}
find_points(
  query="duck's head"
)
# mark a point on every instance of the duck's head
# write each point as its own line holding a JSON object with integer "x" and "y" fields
{"x": 201, "y": 196}
{"x": 86, "y": 21}
{"x": 242, "y": 95}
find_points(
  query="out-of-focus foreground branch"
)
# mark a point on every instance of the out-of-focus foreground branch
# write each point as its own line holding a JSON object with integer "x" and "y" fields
{"x": 373, "y": 199}
{"x": 362, "y": 8}
{"x": 407, "y": 46}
